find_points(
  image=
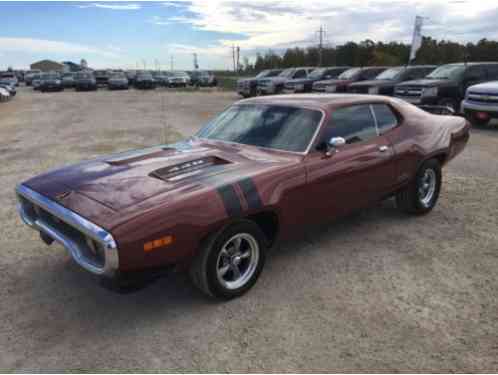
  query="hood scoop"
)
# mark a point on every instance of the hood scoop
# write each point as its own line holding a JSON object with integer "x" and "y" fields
{"x": 190, "y": 168}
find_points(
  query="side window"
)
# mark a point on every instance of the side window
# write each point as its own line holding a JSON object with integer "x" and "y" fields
{"x": 301, "y": 73}
{"x": 371, "y": 73}
{"x": 354, "y": 124}
{"x": 386, "y": 119}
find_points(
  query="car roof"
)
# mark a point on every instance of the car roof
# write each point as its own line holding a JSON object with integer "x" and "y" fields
{"x": 318, "y": 101}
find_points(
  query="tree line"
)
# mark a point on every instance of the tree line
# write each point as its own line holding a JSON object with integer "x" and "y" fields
{"x": 367, "y": 53}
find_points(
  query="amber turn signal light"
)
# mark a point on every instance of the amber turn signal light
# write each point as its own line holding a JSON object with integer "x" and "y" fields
{"x": 160, "y": 242}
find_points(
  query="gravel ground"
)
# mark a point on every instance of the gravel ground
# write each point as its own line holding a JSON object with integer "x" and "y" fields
{"x": 377, "y": 291}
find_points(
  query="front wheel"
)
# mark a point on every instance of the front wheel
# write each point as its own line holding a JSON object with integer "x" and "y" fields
{"x": 450, "y": 103}
{"x": 230, "y": 261}
{"x": 421, "y": 195}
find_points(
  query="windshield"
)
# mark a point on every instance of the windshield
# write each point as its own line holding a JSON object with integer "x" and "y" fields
{"x": 83, "y": 76}
{"x": 350, "y": 73}
{"x": 50, "y": 76}
{"x": 179, "y": 74}
{"x": 447, "y": 72}
{"x": 287, "y": 73}
{"x": 270, "y": 126}
{"x": 391, "y": 74}
{"x": 317, "y": 73}
{"x": 67, "y": 75}
{"x": 118, "y": 76}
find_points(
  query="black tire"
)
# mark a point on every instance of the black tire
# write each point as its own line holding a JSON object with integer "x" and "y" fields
{"x": 448, "y": 102}
{"x": 204, "y": 268}
{"x": 409, "y": 199}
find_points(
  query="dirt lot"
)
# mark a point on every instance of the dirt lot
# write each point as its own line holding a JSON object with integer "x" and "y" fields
{"x": 378, "y": 291}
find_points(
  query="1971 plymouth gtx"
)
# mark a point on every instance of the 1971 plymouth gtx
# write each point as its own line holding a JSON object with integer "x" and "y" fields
{"x": 255, "y": 174}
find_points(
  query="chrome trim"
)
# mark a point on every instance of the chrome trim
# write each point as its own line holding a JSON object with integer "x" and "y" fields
{"x": 491, "y": 107}
{"x": 74, "y": 247}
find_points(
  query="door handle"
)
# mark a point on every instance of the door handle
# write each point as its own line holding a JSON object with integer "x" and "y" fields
{"x": 383, "y": 148}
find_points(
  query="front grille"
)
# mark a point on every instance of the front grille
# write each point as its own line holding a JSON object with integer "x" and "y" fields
{"x": 480, "y": 97}
{"x": 91, "y": 251}
{"x": 412, "y": 92}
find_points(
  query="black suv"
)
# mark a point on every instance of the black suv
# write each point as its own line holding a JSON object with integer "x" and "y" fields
{"x": 319, "y": 74}
{"x": 85, "y": 81}
{"x": 446, "y": 85}
{"x": 50, "y": 82}
{"x": 384, "y": 83}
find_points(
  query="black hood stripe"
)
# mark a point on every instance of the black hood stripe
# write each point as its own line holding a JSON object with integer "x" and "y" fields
{"x": 230, "y": 200}
{"x": 251, "y": 194}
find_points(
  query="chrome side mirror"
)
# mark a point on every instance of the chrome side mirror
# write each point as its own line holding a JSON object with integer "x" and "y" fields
{"x": 334, "y": 144}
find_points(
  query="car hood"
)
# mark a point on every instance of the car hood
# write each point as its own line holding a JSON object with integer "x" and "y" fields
{"x": 374, "y": 83}
{"x": 109, "y": 189}
{"x": 486, "y": 88}
{"x": 426, "y": 82}
{"x": 335, "y": 82}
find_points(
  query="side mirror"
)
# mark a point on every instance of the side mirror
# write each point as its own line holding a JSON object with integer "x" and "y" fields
{"x": 334, "y": 144}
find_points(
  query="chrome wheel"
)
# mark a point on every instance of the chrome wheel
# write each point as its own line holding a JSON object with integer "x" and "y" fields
{"x": 237, "y": 261}
{"x": 427, "y": 187}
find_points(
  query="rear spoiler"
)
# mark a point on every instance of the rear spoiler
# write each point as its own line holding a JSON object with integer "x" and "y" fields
{"x": 438, "y": 110}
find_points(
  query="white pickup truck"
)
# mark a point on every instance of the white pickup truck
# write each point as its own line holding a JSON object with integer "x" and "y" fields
{"x": 481, "y": 103}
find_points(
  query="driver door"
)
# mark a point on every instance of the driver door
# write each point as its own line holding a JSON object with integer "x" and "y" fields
{"x": 354, "y": 175}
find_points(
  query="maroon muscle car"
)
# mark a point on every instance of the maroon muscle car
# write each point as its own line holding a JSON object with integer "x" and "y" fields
{"x": 255, "y": 174}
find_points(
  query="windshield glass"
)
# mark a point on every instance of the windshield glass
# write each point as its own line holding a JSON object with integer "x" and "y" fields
{"x": 392, "y": 73}
{"x": 287, "y": 73}
{"x": 447, "y": 72}
{"x": 179, "y": 74}
{"x": 118, "y": 76}
{"x": 50, "y": 76}
{"x": 270, "y": 126}
{"x": 83, "y": 76}
{"x": 350, "y": 73}
{"x": 317, "y": 73}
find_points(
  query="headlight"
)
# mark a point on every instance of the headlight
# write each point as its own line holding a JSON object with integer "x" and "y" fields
{"x": 332, "y": 88}
{"x": 373, "y": 90}
{"x": 430, "y": 91}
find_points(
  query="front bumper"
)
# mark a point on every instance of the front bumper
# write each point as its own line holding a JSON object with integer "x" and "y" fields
{"x": 491, "y": 109}
{"x": 71, "y": 230}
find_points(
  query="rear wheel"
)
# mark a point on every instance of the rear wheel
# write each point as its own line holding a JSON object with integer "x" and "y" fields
{"x": 421, "y": 195}
{"x": 230, "y": 261}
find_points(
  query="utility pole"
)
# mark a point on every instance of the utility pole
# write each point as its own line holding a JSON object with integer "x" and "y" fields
{"x": 145, "y": 64}
{"x": 233, "y": 57}
{"x": 238, "y": 58}
{"x": 196, "y": 65}
{"x": 171, "y": 62}
{"x": 321, "y": 34}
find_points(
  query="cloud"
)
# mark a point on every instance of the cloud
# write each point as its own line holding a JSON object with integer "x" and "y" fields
{"x": 29, "y": 45}
{"x": 112, "y": 6}
{"x": 161, "y": 21}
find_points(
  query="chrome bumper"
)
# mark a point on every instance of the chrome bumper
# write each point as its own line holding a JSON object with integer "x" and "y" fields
{"x": 490, "y": 108}
{"x": 71, "y": 230}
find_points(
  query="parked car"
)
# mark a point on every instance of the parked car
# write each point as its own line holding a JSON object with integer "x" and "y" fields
{"x": 248, "y": 86}
{"x": 144, "y": 80}
{"x": 178, "y": 79}
{"x": 85, "y": 81}
{"x": 101, "y": 77}
{"x": 68, "y": 80}
{"x": 50, "y": 82}
{"x": 118, "y": 81}
{"x": 275, "y": 85}
{"x": 481, "y": 103}
{"x": 162, "y": 78}
{"x": 446, "y": 86}
{"x": 29, "y": 75}
{"x": 341, "y": 83}
{"x": 4, "y": 94}
{"x": 385, "y": 82}
{"x": 9, "y": 77}
{"x": 131, "y": 74}
{"x": 301, "y": 85}
{"x": 36, "y": 81}
{"x": 203, "y": 78}
{"x": 259, "y": 172}
{"x": 10, "y": 88}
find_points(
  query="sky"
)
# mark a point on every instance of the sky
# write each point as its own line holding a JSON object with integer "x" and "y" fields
{"x": 150, "y": 34}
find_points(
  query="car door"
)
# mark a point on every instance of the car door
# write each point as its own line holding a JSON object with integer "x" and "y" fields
{"x": 354, "y": 175}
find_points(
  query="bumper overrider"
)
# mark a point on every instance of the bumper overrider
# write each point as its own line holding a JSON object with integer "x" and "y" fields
{"x": 92, "y": 247}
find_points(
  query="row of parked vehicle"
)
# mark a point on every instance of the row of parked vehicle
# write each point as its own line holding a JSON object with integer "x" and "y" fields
{"x": 117, "y": 80}
{"x": 456, "y": 86}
